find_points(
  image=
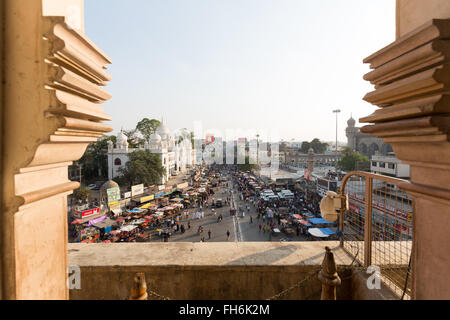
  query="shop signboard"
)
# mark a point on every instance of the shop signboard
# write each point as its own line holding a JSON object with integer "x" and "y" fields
{"x": 113, "y": 194}
{"x": 161, "y": 187}
{"x": 88, "y": 213}
{"x": 158, "y": 195}
{"x": 182, "y": 186}
{"x": 137, "y": 190}
{"x": 112, "y": 204}
{"x": 127, "y": 195}
{"x": 147, "y": 198}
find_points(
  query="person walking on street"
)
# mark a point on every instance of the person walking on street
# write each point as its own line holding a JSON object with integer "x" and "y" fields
{"x": 189, "y": 224}
{"x": 260, "y": 227}
{"x": 251, "y": 219}
{"x": 209, "y": 234}
{"x": 228, "y": 234}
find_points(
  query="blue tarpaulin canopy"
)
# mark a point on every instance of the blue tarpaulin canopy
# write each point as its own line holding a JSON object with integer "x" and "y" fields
{"x": 319, "y": 221}
{"x": 321, "y": 232}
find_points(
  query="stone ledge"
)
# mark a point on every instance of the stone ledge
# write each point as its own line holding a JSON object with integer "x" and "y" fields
{"x": 218, "y": 254}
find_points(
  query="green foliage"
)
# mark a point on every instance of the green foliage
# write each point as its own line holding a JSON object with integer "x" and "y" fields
{"x": 147, "y": 127}
{"x": 82, "y": 193}
{"x": 94, "y": 162}
{"x": 142, "y": 167}
{"x": 350, "y": 158}
{"x": 319, "y": 147}
{"x": 247, "y": 166}
{"x": 133, "y": 140}
{"x": 283, "y": 147}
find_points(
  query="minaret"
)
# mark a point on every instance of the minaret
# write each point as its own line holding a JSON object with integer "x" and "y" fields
{"x": 351, "y": 132}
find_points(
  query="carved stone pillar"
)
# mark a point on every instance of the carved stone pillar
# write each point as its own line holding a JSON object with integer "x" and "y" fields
{"x": 329, "y": 276}
{"x": 51, "y": 111}
{"x": 412, "y": 87}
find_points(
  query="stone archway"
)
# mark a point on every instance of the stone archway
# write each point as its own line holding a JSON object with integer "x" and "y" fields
{"x": 362, "y": 148}
{"x": 386, "y": 148}
{"x": 373, "y": 148}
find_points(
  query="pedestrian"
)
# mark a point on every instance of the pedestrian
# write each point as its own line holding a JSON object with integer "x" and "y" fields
{"x": 189, "y": 224}
{"x": 251, "y": 219}
{"x": 228, "y": 234}
{"x": 209, "y": 234}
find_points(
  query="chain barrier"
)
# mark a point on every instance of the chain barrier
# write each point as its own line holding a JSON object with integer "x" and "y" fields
{"x": 153, "y": 293}
{"x": 298, "y": 284}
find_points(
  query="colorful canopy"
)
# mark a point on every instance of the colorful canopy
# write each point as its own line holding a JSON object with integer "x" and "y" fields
{"x": 317, "y": 232}
{"x": 318, "y": 221}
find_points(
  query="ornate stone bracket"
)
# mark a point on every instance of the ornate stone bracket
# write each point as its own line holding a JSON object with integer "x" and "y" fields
{"x": 412, "y": 89}
{"x": 54, "y": 78}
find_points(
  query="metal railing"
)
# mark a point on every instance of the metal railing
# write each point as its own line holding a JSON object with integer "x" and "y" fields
{"x": 377, "y": 227}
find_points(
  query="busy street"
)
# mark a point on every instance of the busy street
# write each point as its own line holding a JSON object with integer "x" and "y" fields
{"x": 221, "y": 203}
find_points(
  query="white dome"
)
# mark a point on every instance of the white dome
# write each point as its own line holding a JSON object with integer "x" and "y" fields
{"x": 154, "y": 137}
{"x": 163, "y": 131}
{"x": 121, "y": 138}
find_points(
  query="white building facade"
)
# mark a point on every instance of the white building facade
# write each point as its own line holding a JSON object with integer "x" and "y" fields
{"x": 176, "y": 152}
{"x": 389, "y": 165}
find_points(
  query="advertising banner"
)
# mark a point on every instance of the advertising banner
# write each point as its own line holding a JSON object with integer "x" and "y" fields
{"x": 209, "y": 139}
{"x": 90, "y": 212}
{"x": 147, "y": 198}
{"x": 137, "y": 190}
{"x": 158, "y": 195}
{"x": 161, "y": 187}
{"x": 91, "y": 222}
{"x": 113, "y": 194}
{"x": 182, "y": 186}
{"x": 127, "y": 194}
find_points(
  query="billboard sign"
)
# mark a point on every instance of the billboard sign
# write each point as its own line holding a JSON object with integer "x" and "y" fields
{"x": 127, "y": 194}
{"x": 137, "y": 190}
{"x": 147, "y": 198}
{"x": 209, "y": 139}
{"x": 182, "y": 186}
{"x": 91, "y": 212}
{"x": 113, "y": 194}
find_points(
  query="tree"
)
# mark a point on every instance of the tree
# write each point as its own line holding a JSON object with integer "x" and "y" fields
{"x": 147, "y": 127}
{"x": 134, "y": 141}
{"x": 95, "y": 161}
{"x": 82, "y": 193}
{"x": 318, "y": 147}
{"x": 143, "y": 167}
{"x": 350, "y": 158}
{"x": 247, "y": 166}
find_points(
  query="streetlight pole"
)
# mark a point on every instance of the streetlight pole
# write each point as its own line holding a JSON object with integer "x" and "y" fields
{"x": 336, "y": 161}
{"x": 257, "y": 149}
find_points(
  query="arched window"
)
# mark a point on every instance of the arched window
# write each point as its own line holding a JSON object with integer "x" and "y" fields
{"x": 117, "y": 162}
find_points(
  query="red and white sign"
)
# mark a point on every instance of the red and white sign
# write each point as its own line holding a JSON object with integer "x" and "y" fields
{"x": 209, "y": 138}
{"x": 88, "y": 213}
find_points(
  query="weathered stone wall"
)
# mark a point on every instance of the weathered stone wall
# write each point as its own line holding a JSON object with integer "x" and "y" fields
{"x": 243, "y": 270}
{"x": 413, "y": 13}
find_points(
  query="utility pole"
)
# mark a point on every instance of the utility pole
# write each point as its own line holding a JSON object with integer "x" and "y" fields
{"x": 336, "y": 160}
{"x": 257, "y": 149}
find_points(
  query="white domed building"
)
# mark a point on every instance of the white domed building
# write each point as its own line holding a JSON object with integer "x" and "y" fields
{"x": 176, "y": 152}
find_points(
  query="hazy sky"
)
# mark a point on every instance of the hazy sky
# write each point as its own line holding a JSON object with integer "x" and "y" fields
{"x": 237, "y": 64}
